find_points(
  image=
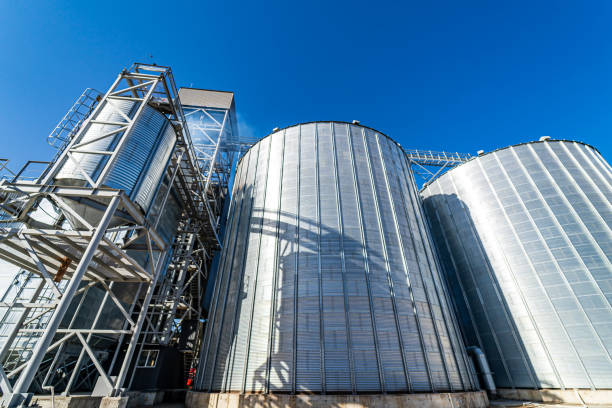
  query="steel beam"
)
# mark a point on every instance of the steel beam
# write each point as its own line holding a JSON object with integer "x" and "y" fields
{"x": 25, "y": 379}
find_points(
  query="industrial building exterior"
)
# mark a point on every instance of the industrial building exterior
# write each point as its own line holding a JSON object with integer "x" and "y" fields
{"x": 325, "y": 278}
{"x": 115, "y": 239}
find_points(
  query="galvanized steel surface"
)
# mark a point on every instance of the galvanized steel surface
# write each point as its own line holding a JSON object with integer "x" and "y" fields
{"x": 157, "y": 166}
{"x": 141, "y": 160}
{"x": 328, "y": 281}
{"x": 88, "y": 162}
{"x": 525, "y": 238}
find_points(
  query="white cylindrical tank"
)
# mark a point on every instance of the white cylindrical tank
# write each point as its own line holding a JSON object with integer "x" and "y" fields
{"x": 328, "y": 282}
{"x": 525, "y": 238}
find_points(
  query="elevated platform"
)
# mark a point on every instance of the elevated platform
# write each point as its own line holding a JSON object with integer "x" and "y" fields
{"x": 56, "y": 252}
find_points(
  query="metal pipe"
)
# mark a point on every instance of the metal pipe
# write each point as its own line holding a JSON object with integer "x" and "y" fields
{"x": 483, "y": 368}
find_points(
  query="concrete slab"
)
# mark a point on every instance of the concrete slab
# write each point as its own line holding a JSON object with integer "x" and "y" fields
{"x": 438, "y": 400}
{"x": 531, "y": 404}
{"x": 568, "y": 396}
{"x": 78, "y": 401}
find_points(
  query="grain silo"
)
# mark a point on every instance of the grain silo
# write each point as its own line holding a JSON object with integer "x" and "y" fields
{"x": 524, "y": 234}
{"x": 328, "y": 283}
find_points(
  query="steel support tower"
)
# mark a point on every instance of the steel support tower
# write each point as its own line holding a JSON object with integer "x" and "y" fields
{"x": 64, "y": 255}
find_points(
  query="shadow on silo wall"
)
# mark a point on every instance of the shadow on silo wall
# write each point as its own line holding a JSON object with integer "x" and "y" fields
{"x": 480, "y": 304}
{"x": 279, "y": 363}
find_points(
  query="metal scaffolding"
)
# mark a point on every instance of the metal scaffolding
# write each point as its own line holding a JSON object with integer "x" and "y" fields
{"x": 72, "y": 262}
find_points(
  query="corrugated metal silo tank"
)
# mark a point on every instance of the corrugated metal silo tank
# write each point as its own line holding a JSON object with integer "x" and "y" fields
{"x": 140, "y": 162}
{"x": 524, "y": 234}
{"x": 328, "y": 283}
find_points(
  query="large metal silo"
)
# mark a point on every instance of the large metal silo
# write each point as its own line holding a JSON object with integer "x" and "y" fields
{"x": 525, "y": 238}
{"x": 328, "y": 282}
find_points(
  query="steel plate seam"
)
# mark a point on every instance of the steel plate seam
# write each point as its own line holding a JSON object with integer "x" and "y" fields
{"x": 477, "y": 289}
{"x": 275, "y": 273}
{"x": 393, "y": 203}
{"x": 296, "y": 259}
{"x": 520, "y": 290}
{"x": 320, "y": 278}
{"x": 454, "y": 335}
{"x": 590, "y": 205}
{"x": 573, "y": 250}
{"x": 385, "y": 252}
{"x": 227, "y": 272}
{"x": 342, "y": 255}
{"x": 532, "y": 222}
{"x": 459, "y": 280}
{"x": 426, "y": 289}
{"x": 417, "y": 317}
{"x": 256, "y": 270}
{"x": 605, "y": 180}
{"x": 590, "y": 180}
{"x": 238, "y": 190}
{"x": 365, "y": 258}
{"x": 497, "y": 288}
{"x": 424, "y": 238}
{"x": 454, "y": 310}
{"x": 254, "y": 153}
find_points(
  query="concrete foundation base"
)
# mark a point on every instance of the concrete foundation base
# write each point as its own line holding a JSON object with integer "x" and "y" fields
{"x": 441, "y": 400}
{"x": 78, "y": 401}
{"x": 574, "y": 396}
{"x": 131, "y": 399}
{"x": 144, "y": 398}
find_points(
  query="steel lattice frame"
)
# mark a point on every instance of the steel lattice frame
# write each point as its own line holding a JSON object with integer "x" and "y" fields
{"x": 423, "y": 160}
{"x": 216, "y": 148}
{"x": 72, "y": 260}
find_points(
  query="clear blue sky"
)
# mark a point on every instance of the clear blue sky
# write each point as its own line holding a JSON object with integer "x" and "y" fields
{"x": 455, "y": 75}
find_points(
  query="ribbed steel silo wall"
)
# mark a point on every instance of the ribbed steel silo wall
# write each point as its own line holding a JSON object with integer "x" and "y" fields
{"x": 524, "y": 234}
{"x": 327, "y": 281}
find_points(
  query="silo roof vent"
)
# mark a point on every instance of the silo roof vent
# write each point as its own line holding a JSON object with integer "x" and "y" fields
{"x": 355, "y": 122}
{"x": 275, "y": 129}
{"x": 543, "y": 138}
{"x": 480, "y": 152}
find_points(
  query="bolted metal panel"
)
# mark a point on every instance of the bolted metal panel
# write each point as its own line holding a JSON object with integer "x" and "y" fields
{"x": 524, "y": 234}
{"x": 328, "y": 282}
